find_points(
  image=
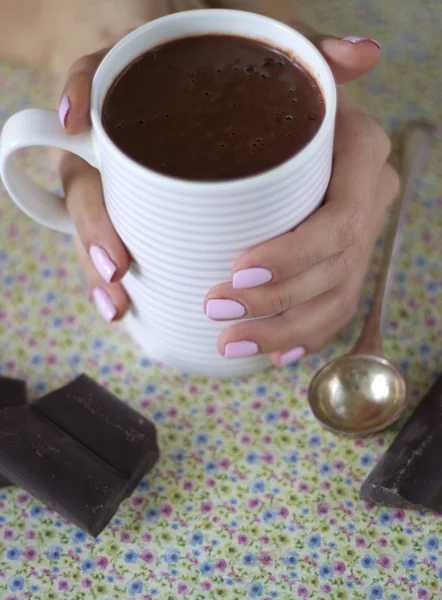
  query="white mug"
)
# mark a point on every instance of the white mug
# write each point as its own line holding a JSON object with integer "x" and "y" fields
{"x": 183, "y": 236}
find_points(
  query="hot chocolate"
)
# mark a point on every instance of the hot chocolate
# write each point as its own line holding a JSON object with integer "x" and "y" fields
{"x": 213, "y": 108}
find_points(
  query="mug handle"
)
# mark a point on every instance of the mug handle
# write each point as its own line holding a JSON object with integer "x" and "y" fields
{"x": 38, "y": 127}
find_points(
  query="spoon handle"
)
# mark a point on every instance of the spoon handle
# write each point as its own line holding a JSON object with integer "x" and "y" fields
{"x": 416, "y": 142}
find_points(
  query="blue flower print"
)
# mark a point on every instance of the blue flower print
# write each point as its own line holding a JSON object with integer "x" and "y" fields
{"x": 207, "y": 569}
{"x": 196, "y": 538}
{"x": 367, "y": 561}
{"x": 172, "y": 556}
{"x": 135, "y": 587}
{"x": 249, "y": 559}
{"x": 326, "y": 571}
{"x": 255, "y": 590}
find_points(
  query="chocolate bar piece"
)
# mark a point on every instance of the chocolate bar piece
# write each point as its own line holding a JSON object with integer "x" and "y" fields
{"x": 105, "y": 425}
{"x": 12, "y": 393}
{"x": 56, "y": 469}
{"x": 410, "y": 472}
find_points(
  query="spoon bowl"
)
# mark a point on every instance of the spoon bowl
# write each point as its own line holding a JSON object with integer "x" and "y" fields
{"x": 358, "y": 395}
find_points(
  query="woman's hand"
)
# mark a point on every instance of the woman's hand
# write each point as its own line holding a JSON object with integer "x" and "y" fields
{"x": 103, "y": 256}
{"x": 311, "y": 278}
{"x": 307, "y": 281}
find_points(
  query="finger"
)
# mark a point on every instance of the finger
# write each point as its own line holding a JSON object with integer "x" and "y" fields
{"x": 85, "y": 203}
{"x": 276, "y": 298}
{"x": 338, "y": 224}
{"x": 110, "y": 299}
{"x": 350, "y": 57}
{"x": 296, "y": 332}
{"x": 74, "y": 108}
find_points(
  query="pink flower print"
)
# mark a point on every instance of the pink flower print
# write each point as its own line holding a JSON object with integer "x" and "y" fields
{"x": 399, "y": 514}
{"x": 266, "y": 439}
{"x": 246, "y": 439}
{"x": 211, "y": 483}
{"x": 9, "y": 534}
{"x": 339, "y": 567}
{"x": 206, "y": 585}
{"x": 303, "y": 591}
{"x": 182, "y": 588}
{"x": 283, "y": 512}
{"x": 61, "y": 272}
{"x": 138, "y": 501}
{"x": 265, "y": 559}
{"x": 322, "y": 510}
{"x": 29, "y": 553}
{"x": 102, "y": 562}
{"x": 254, "y": 503}
{"x": 172, "y": 412}
{"x": 243, "y": 540}
{"x": 339, "y": 465}
{"x": 166, "y": 510}
{"x": 87, "y": 583}
{"x": 63, "y": 585}
{"x": 384, "y": 561}
{"x": 215, "y": 387}
{"x": 221, "y": 565}
{"x": 206, "y": 507}
{"x": 125, "y": 536}
{"x": 51, "y": 359}
{"x": 360, "y": 542}
{"x": 325, "y": 485}
{"x": 303, "y": 487}
{"x": 284, "y": 414}
{"x": 145, "y": 404}
{"x": 326, "y": 588}
{"x": 147, "y": 556}
{"x": 146, "y": 537}
{"x": 265, "y": 540}
{"x": 421, "y": 593}
{"x": 211, "y": 409}
{"x": 268, "y": 458}
{"x": 188, "y": 486}
{"x": 224, "y": 463}
{"x": 382, "y": 542}
{"x": 256, "y": 405}
{"x": 30, "y": 535}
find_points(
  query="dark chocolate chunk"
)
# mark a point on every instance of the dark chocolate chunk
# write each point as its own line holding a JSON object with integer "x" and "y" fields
{"x": 12, "y": 393}
{"x": 56, "y": 469}
{"x": 108, "y": 427}
{"x": 410, "y": 472}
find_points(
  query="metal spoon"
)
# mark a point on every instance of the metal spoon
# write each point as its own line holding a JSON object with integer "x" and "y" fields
{"x": 363, "y": 393}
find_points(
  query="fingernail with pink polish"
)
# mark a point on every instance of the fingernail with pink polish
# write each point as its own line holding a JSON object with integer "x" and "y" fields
{"x": 355, "y": 39}
{"x": 250, "y": 278}
{"x": 291, "y": 356}
{"x": 63, "y": 110}
{"x": 240, "y": 349}
{"x": 102, "y": 262}
{"x": 223, "y": 310}
{"x": 104, "y": 304}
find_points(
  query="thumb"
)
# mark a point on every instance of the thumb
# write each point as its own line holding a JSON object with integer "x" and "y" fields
{"x": 349, "y": 58}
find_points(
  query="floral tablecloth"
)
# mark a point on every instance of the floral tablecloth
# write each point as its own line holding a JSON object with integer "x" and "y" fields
{"x": 251, "y": 498}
